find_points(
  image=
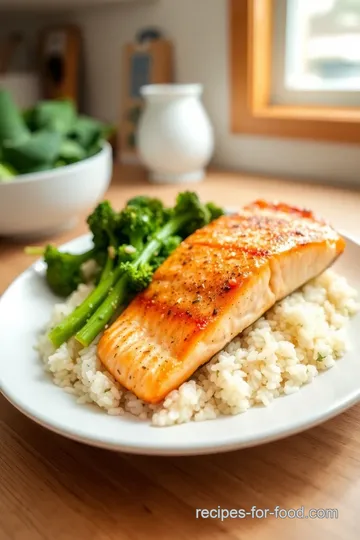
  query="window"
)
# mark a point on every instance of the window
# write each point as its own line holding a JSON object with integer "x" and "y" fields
{"x": 316, "y": 46}
{"x": 295, "y": 67}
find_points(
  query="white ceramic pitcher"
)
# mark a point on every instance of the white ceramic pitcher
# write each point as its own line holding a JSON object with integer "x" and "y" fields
{"x": 175, "y": 138}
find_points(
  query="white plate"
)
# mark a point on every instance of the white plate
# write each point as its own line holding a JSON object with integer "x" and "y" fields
{"x": 26, "y": 307}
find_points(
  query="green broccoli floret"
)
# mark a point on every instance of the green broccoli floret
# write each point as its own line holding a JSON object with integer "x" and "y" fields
{"x": 126, "y": 253}
{"x": 103, "y": 223}
{"x": 63, "y": 272}
{"x": 136, "y": 224}
{"x": 214, "y": 210}
{"x": 159, "y": 213}
{"x": 143, "y": 201}
{"x": 155, "y": 206}
{"x": 138, "y": 277}
{"x": 197, "y": 214}
{"x": 167, "y": 247}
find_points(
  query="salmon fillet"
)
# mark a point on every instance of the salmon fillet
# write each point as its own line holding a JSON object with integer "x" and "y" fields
{"x": 215, "y": 284}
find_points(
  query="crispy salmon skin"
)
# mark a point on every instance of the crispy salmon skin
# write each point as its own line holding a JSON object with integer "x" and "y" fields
{"x": 214, "y": 285}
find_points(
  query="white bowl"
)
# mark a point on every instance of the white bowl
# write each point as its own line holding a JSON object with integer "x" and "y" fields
{"x": 42, "y": 203}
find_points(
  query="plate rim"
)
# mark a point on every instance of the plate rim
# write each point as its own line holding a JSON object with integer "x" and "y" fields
{"x": 231, "y": 443}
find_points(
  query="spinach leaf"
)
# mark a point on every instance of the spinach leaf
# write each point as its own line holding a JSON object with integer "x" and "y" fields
{"x": 39, "y": 150}
{"x": 71, "y": 151}
{"x": 7, "y": 173}
{"x": 12, "y": 125}
{"x": 86, "y": 131}
{"x": 56, "y": 116}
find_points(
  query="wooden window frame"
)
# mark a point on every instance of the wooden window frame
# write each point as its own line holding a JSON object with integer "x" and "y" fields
{"x": 250, "y": 71}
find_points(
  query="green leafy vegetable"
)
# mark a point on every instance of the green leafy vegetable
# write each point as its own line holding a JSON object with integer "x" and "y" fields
{"x": 56, "y": 115}
{"x": 59, "y": 163}
{"x": 29, "y": 119}
{"x": 12, "y": 125}
{"x": 94, "y": 149}
{"x": 86, "y": 131}
{"x": 39, "y": 149}
{"x": 71, "y": 152}
{"x": 7, "y": 173}
{"x": 47, "y": 136}
{"x": 40, "y": 168}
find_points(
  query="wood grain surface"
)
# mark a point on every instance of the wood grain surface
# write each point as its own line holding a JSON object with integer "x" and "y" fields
{"x": 53, "y": 488}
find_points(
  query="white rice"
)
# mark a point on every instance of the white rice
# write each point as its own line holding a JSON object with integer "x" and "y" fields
{"x": 300, "y": 336}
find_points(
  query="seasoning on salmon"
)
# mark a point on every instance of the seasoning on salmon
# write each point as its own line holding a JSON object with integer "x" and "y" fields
{"x": 216, "y": 283}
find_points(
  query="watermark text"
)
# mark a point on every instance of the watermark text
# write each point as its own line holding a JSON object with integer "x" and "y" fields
{"x": 262, "y": 513}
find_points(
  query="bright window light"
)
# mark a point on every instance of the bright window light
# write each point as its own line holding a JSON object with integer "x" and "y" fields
{"x": 322, "y": 45}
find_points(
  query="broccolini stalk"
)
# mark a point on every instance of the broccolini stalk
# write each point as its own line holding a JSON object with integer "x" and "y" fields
{"x": 188, "y": 215}
{"x": 73, "y": 322}
{"x": 103, "y": 314}
{"x": 104, "y": 225}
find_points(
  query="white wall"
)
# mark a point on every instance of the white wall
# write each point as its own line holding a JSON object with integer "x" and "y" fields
{"x": 199, "y": 30}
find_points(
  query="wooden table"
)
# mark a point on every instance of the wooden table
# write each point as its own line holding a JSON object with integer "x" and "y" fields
{"x": 53, "y": 488}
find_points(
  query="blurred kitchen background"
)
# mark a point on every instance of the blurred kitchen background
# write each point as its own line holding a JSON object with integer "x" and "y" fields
{"x": 317, "y": 55}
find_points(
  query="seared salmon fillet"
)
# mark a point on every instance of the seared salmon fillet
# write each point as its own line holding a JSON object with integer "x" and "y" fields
{"x": 216, "y": 283}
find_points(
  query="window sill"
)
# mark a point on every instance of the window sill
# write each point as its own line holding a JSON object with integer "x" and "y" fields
{"x": 325, "y": 124}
